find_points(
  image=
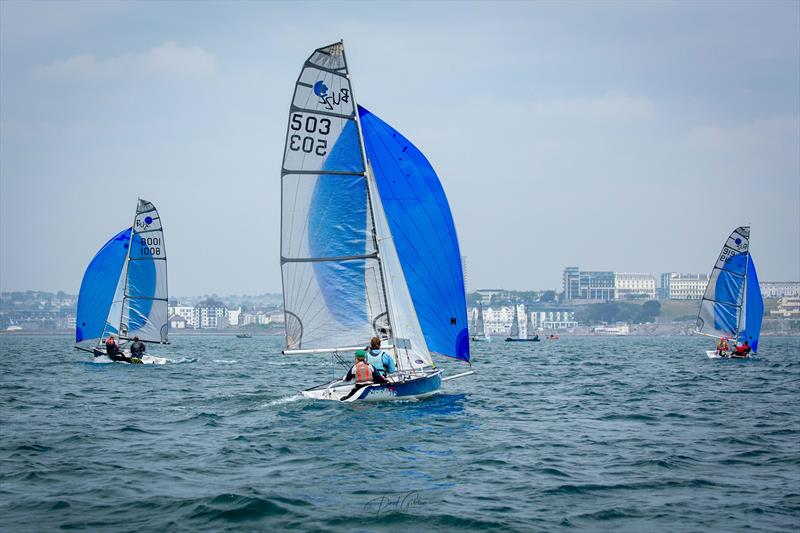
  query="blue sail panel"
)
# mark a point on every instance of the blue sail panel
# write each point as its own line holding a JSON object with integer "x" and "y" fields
{"x": 99, "y": 285}
{"x": 423, "y": 233}
{"x": 337, "y": 227}
{"x": 754, "y": 306}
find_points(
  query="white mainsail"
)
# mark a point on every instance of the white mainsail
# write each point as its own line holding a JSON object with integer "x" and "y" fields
{"x": 333, "y": 284}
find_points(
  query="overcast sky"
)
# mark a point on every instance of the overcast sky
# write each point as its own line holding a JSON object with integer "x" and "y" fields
{"x": 628, "y": 136}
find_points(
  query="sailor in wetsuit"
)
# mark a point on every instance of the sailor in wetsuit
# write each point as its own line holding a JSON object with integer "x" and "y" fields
{"x": 137, "y": 348}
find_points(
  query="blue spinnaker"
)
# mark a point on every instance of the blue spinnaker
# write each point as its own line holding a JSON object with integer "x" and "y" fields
{"x": 754, "y": 308}
{"x": 99, "y": 285}
{"x": 423, "y": 233}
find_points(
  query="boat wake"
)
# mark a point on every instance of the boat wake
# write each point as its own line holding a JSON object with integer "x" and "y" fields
{"x": 286, "y": 399}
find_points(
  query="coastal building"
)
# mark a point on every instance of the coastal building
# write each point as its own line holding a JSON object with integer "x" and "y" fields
{"x": 187, "y": 312}
{"x": 588, "y": 285}
{"x": 497, "y": 321}
{"x": 788, "y": 307}
{"x": 211, "y": 314}
{"x": 234, "y": 315}
{"x": 177, "y": 322}
{"x": 779, "y": 289}
{"x": 677, "y": 286}
{"x": 634, "y": 286}
{"x": 487, "y": 294}
{"x": 553, "y": 319}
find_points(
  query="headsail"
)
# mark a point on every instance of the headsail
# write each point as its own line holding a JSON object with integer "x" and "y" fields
{"x": 98, "y": 288}
{"x": 333, "y": 285}
{"x": 730, "y": 296}
{"x": 423, "y": 234}
{"x": 144, "y": 307}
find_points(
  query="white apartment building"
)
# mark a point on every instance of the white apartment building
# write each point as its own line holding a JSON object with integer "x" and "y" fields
{"x": 677, "y": 286}
{"x": 211, "y": 315}
{"x": 234, "y": 315}
{"x": 497, "y": 321}
{"x": 634, "y": 286}
{"x": 555, "y": 319}
{"x": 779, "y": 289}
{"x": 788, "y": 307}
{"x": 187, "y": 312}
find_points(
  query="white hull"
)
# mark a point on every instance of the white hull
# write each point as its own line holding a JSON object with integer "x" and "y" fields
{"x": 712, "y": 354}
{"x": 146, "y": 360}
{"x": 398, "y": 388}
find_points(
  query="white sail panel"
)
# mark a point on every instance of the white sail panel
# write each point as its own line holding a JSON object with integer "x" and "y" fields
{"x": 144, "y": 309}
{"x": 325, "y": 215}
{"x": 332, "y": 304}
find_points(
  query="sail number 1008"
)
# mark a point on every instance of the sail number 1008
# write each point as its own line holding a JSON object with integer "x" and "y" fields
{"x": 307, "y": 143}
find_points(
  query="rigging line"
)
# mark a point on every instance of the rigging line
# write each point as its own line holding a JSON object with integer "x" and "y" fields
{"x": 413, "y": 220}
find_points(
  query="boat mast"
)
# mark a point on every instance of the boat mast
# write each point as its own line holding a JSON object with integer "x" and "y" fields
{"x": 370, "y": 203}
{"x": 742, "y": 307}
{"x": 127, "y": 262}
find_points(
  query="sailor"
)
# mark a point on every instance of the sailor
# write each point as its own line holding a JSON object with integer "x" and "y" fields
{"x": 111, "y": 346}
{"x": 137, "y": 348}
{"x": 743, "y": 349}
{"x": 380, "y": 360}
{"x": 722, "y": 346}
{"x": 364, "y": 374}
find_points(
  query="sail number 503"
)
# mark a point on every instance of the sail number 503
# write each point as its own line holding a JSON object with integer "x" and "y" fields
{"x": 307, "y": 143}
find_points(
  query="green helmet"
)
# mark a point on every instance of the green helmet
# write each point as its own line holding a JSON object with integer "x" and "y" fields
{"x": 361, "y": 354}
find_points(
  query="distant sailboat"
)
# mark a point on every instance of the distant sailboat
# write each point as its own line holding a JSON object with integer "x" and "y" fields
{"x": 368, "y": 244}
{"x": 479, "y": 332}
{"x": 518, "y": 334}
{"x": 124, "y": 289}
{"x": 732, "y": 306}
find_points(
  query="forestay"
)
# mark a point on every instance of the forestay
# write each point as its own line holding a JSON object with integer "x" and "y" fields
{"x": 332, "y": 279}
{"x": 732, "y": 306}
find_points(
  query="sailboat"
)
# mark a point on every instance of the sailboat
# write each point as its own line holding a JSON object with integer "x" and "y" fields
{"x": 124, "y": 290}
{"x": 368, "y": 244}
{"x": 518, "y": 334}
{"x": 478, "y": 326}
{"x": 732, "y": 306}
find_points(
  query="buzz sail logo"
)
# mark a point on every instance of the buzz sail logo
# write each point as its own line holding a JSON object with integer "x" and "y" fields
{"x": 144, "y": 223}
{"x": 330, "y": 99}
{"x": 320, "y": 89}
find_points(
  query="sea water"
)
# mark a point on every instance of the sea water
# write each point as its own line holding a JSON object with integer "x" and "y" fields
{"x": 625, "y": 434}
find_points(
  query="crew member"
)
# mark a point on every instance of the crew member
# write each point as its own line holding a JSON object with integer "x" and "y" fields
{"x": 364, "y": 374}
{"x": 722, "y": 346}
{"x": 111, "y": 346}
{"x": 137, "y": 348}
{"x": 380, "y": 360}
{"x": 743, "y": 349}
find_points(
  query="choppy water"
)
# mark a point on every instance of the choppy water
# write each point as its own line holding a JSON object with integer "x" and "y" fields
{"x": 629, "y": 434}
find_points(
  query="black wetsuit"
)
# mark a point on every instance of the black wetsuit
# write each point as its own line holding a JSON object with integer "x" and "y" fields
{"x": 137, "y": 349}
